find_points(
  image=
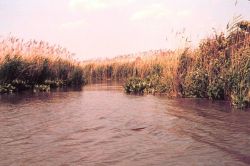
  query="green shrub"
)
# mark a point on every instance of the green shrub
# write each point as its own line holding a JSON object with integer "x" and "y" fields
{"x": 157, "y": 84}
{"x": 217, "y": 78}
{"x": 215, "y": 89}
{"x": 196, "y": 83}
{"x": 151, "y": 84}
{"x": 135, "y": 85}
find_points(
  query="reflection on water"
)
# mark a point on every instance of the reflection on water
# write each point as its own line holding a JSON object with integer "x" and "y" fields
{"x": 101, "y": 125}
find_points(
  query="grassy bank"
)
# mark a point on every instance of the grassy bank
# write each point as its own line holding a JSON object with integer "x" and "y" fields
{"x": 36, "y": 65}
{"x": 219, "y": 69}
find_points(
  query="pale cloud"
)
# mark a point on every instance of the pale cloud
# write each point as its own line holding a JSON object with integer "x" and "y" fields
{"x": 73, "y": 24}
{"x": 155, "y": 11}
{"x": 96, "y": 4}
{"x": 159, "y": 11}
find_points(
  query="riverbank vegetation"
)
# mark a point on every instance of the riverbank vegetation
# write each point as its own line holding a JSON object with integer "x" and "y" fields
{"x": 219, "y": 69}
{"x": 36, "y": 65}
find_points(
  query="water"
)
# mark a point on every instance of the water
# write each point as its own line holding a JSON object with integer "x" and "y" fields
{"x": 103, "y": 126}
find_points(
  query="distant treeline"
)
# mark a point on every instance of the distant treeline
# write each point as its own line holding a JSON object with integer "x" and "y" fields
{"x": 219, "y": 69}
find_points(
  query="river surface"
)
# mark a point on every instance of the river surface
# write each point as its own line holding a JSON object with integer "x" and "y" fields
{"x": 103, "y": 126}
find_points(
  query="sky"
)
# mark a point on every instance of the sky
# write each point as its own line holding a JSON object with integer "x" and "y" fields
{"x": 107, "y": 28}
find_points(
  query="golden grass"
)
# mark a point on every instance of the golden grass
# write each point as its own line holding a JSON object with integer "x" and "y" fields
{"x": 123, "y": 67}
{"x": 218, "y": 69}
{"x": 36, "y": 63}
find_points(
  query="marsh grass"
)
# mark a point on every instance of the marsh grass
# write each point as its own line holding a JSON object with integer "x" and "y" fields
{"x": 36, "y": 65}
{"x": 219, "y": 69}
{"x": 124, "y": 67}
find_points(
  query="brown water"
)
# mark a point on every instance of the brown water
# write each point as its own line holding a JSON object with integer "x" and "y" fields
{"x": 103, "y": 126}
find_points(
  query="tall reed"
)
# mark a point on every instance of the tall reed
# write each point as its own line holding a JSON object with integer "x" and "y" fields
{"x": 25, "y": 65}
{"x": 219, "y": 69}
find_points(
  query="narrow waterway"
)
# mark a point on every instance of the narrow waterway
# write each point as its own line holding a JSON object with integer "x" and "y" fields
{"x": 101, "y": 125}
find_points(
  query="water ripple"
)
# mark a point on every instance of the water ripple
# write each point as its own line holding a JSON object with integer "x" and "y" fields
{"x": 103, "y": 126}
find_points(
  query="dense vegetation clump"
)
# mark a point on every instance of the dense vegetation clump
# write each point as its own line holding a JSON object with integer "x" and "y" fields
{"x": 154, "y": 83}
{"x": 135, "y": 85}
{"x": 39, "y": 67}
{"x": 219, "y": 69}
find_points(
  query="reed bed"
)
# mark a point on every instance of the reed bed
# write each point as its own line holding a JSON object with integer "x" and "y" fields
{"x": 36, "y": 65}
{"x": 219, "y": 69}
{"x": 137, "y": 65}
